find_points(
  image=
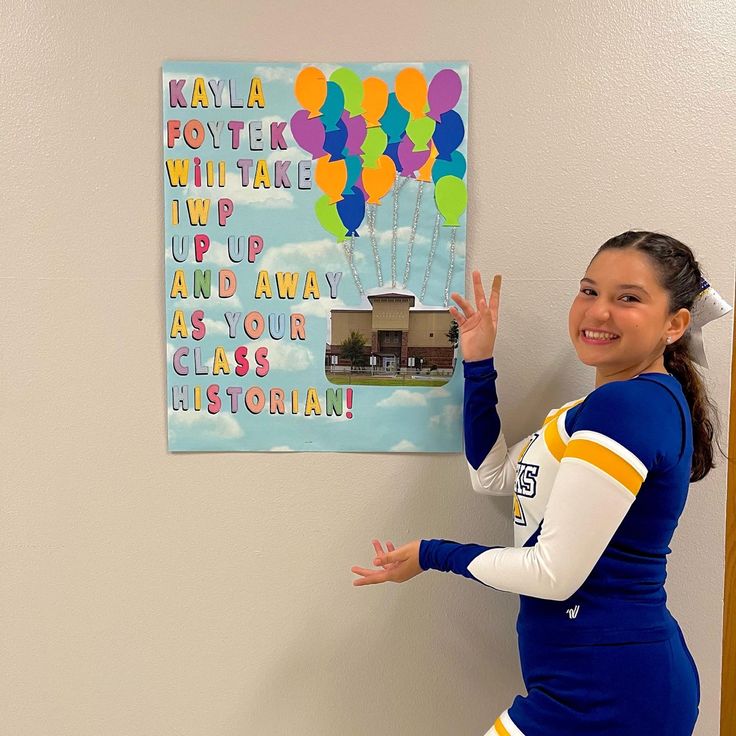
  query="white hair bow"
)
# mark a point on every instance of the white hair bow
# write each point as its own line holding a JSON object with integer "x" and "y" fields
{"x": 708, "y": 305}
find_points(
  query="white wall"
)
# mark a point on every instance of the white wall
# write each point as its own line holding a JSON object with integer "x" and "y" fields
{"x": 147, "y": 593}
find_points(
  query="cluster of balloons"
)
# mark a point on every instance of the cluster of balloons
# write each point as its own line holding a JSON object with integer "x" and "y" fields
{"x": 364, "y": 137}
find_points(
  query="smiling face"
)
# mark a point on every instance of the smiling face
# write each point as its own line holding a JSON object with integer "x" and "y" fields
{"x": 619, "y": 321}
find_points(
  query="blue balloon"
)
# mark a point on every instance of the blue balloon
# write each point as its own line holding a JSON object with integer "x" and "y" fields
{"x": 456, "y": 166}
{"x": 394, "y": 120}
{"x": 392, "y": 151}
{"x": 354, "y": 165}
{"x": 332, "y": 108}
{"x": 448, "y": 134}
{"x": 335, "y": 141}
{"x": 351, "y": 209}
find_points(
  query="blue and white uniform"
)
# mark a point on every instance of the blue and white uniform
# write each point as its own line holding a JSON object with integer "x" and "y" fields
{"x": 597, "y": 494}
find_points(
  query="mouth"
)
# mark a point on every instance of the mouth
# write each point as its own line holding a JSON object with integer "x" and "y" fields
{"x": 597, "y": 337}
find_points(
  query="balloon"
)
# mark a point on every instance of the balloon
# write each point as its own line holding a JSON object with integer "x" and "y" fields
{"x": 448, "y": 134}
{"x": 356, "y": 133}
{"x": 410, "y": 159}
{"x": 373, "y": 146}
{"x": 331, "y": 177}
{"x": 392, "y": 151}
{"x": 329, "y": 218}
{"x": 411, "y": 91}
{"x": 375, "y": 99}
{"x": 394, "y": 120}
{"x": 425, "y": 172}
{"x": 451, "y": 198}
{"x": 308, "y": 132}
{"x": 352, "y": 210}
{"x": 335, "y": 141}
{"x": 332, "y": 107}
{"x": 420, "y": 130}
{"x": 352, "y": 89}
{"x": 444, "y": 92}
{"x": 377, "y": 182}
{"x": 454, "y": 167}
{"x": 354, "y": 166}
{"x": 310, "y": 89}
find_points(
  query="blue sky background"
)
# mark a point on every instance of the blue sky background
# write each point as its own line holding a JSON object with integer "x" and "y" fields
{"x": 385, "y": 419}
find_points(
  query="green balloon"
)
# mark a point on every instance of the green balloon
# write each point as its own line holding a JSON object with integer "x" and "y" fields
{"x": 352, "y": 87}
{"x": 329, "y": 218}
{"x": 420, "y": 130}
{"x": 373, "y": 146}
{"x": 451, "y": 198}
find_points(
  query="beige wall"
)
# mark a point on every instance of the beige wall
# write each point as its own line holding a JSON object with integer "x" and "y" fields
{"x": 343, "y": 323}
{"x": 390, "y": 313}
{"x": 423, "y": 324}
{"x": 146, "y": 593}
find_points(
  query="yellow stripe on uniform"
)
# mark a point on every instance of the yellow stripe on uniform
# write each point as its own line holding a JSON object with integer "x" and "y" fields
{"x": 500, "y": 728}
{"x": 554, "y": 442}
{"x": 608, "y": 461}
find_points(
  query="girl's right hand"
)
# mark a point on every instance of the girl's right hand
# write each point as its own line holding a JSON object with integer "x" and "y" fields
{"x": 478, "y": 327}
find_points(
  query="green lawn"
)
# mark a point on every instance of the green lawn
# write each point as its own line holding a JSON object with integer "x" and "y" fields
{"x": 363, "y": 380}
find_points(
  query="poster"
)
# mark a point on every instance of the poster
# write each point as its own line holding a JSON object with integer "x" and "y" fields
{"x": 314, "y": 227}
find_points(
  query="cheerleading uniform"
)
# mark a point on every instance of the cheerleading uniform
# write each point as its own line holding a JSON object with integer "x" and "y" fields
{"x": 597, "y": 494}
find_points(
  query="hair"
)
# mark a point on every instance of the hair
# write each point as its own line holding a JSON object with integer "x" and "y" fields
{"x": 679, "y": 275}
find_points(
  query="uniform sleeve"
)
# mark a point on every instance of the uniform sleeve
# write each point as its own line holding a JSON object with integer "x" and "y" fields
{"x": 623, "y": 431}
{"x": 491, "y": 463}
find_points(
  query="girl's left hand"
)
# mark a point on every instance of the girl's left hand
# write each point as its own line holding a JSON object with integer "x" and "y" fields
{"x": 397, "y": 565}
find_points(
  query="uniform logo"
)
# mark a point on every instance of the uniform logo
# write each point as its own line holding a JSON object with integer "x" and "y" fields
{"x": 573, "y": 612}
{"x": 525, "y": 483}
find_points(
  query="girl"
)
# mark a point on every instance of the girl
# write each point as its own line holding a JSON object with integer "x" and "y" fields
{"x": 597, "y": 491}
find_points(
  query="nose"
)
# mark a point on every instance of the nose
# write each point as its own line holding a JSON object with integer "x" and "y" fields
{"x": 599, "y": 310}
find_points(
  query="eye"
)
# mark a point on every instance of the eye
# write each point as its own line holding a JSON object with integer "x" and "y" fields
{"x": 585, "y": 291}
{"x": 630, "y": 296}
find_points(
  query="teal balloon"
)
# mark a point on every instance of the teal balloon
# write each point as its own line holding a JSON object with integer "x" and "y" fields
{"x": 328, "y": 217}
{"x": 352, "y": 88}
{"x": 420, "y": 130}
{"x": 451, "y": 198}
{"x": 332, "y": 107}
{"x": 394, "y": 120}
{"x": 354, "y": 166}
{"x": 373, "y": 146}
{"x": 456, "y": 166}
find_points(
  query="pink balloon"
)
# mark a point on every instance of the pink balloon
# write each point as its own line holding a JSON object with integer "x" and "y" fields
{"x": 443, "y": 93}
{"x": 309, "y": 133}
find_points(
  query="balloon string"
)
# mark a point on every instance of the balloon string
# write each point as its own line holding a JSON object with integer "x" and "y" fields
{"x": 413, "y": 233}
{"x": 430, "y": 257}
{"x": 372, "y": 209}
{"x": 394, "y": 231}
{"x": 451, "y": 267}
{"x": 349, "y": 246}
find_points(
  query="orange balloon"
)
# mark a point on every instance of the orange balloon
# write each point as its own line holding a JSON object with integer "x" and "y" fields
{"x": 310, "y": 89}
{"x": 411, "y": 91}
{"x": 425, "y": 173}
{"x": 331, "y": 177}
{"x": 378, "y": 181}
{"x": 375, "y": 99}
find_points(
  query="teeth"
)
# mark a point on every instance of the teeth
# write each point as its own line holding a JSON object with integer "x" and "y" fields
{"x": 599, "y": 335}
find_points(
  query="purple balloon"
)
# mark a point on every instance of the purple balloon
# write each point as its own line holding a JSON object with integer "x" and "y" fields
{"x": 410, "y": 159}
{"x": 356, "y": 132}
{"x": 443, "y": 93}
{"x": 309, "y": 133}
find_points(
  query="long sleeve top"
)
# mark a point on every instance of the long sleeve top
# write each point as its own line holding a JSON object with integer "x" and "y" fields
{"x": 597, "y": 493}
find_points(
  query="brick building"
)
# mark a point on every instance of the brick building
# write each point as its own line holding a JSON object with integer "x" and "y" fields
{"x": 394, "y": 332}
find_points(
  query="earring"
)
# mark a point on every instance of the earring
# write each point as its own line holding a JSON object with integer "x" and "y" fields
{"x": 669, "y": 339}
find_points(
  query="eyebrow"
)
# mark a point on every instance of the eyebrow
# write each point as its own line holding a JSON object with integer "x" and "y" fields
{"x": 620, "y": 286}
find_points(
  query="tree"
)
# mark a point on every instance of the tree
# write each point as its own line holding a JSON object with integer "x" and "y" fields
{"x": 454, "y": 334}
{"x": 352, "y": 349}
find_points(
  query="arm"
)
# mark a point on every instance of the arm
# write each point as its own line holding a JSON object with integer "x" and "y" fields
{"x": 491, "y": 463}
{"x": 613, "y": 448}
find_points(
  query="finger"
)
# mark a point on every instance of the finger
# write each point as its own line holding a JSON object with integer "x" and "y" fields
{"x": 464, "y": 304}
{"x": 368, "y": 577}
{"x": 480, "y": 295}
{"x": 377, "y": 546}
{"x": 390, "y": 547}
{"x": 496, "y": 291}
{"x": 457, "y": 316}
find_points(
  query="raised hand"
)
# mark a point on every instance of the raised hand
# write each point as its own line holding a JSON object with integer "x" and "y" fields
{"x": 397, "y": 565}
{"x": 478, "y": 325}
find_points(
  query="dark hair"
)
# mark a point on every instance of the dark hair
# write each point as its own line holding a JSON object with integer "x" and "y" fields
{"x": 679, "y": 275}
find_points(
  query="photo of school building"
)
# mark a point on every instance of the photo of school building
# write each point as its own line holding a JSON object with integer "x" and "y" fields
{"x": 402, "y": 339}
